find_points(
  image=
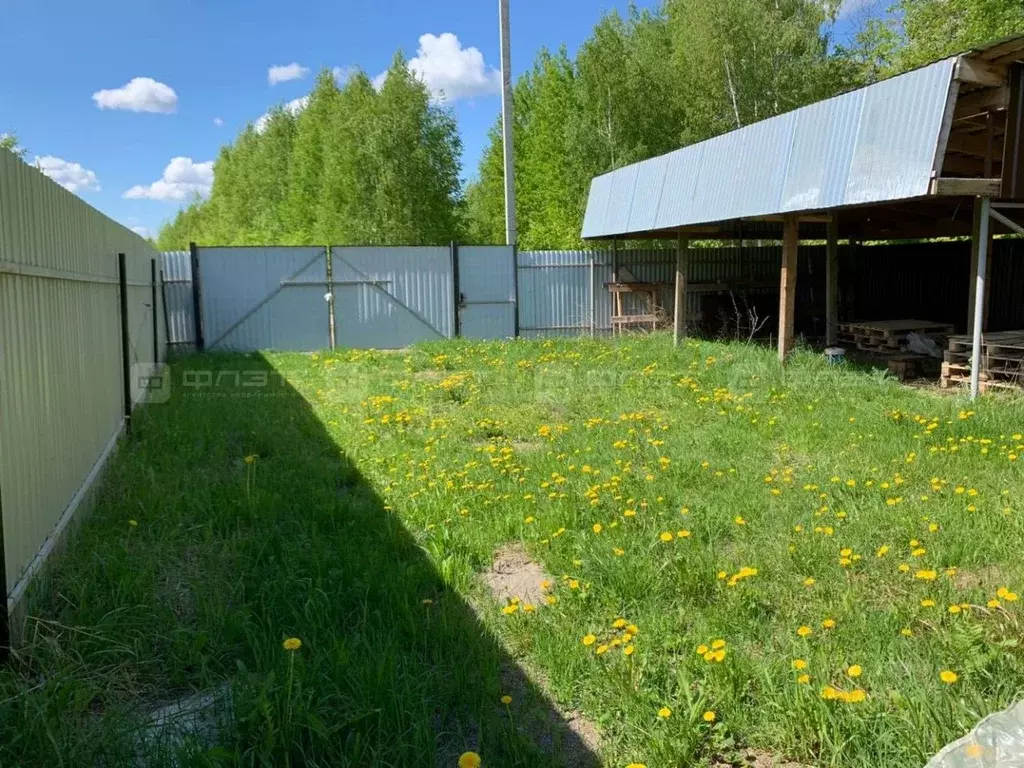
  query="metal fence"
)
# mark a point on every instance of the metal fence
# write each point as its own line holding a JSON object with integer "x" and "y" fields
{"x": 392, "y": 297}
{"x": 177, "y": 293}
{"x": 63, "y": 382}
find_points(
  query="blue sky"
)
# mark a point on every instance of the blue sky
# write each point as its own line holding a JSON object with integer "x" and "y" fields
{"x": 74, "y": 74}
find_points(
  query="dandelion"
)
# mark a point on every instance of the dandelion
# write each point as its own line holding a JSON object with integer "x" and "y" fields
{"x": 251, "y": 458}
{"x": 628, "y": 650}
{"x": 804, "y": 679}
{"x": 664, "y": 713}
{"x": 684, "y": 534}
{"x": 927, "y": 603}
{"x": 636, "y": 765}
{"x": 709, "y": 716}
{"x": 601, "y": 650}
{"x": 926, "y": 575}
{"x": 804, "y": 631}
{"x": 508, "y": 610}
{"x": 829, "y": 624}
{"x": 469, "y": 760}
{"x": 992, "y": 603}
{"x": 948, "y": 676}
{"x": 717, "y": 644}
{"x": 809, "y": 581}
{"x": 854, "y": 670}
{"x": 618, "y": 623}
{"x": 292, "y": 644}
{"x": 740, "y": 521}
{"x": 799, "y": 664}
{"x": 702, "y": 649}
{"x": 598, "y": 527}
{"x": 666, "y": 536}
{"x": 907, "y": 632}
{"x": 589, "y": 640}
{"x": 856, "y": 696}
{"x": 506, "y": 699}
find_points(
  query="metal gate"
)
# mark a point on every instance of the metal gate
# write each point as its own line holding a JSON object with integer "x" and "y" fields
{"x": 487, "y": 291}
{"x": 264, "y": 298}
{"x": 391, "y": 297}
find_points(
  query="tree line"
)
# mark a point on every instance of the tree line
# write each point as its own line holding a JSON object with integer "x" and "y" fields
{"x": 368, "y": 166}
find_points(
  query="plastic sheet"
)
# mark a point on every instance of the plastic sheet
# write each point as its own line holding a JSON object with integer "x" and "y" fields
{"x": 995, "y": 742}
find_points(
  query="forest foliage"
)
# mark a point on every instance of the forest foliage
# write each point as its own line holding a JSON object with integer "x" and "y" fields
{"x": 364, "y": 166}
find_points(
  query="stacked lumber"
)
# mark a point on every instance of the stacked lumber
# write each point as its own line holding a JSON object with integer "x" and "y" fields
{"x": 889, "y": 337}
{"x": 1002, "y": 361}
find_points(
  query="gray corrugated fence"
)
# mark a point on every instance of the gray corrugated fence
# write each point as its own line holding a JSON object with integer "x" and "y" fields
{"x": 396, "y": 296}
{"x": 181, "y": 324}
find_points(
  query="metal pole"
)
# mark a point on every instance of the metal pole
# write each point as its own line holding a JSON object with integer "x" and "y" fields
{"x": 979, "y": 295}
{"x": 593, "y": 299}
{"x": 197, "y": 298}
{"x": 126, "y": 380}
{"x": 163, "y": 304}
{"x": 457, "y": 291}
{"x": 507, "y": 118}
{"x": 329, "y": 263}
{"x": 156, "y": 321}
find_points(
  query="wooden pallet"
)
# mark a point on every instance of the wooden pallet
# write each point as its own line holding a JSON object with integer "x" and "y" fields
{"x": 1002, "y": 360}
{"x": 888, "y": 337}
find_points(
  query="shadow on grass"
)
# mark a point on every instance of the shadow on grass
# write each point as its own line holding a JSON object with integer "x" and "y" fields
{"x": 197, "y": 564}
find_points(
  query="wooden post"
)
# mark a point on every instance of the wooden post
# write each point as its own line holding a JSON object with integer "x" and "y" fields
{"x": 787, "y": 284}
{"x": 682, "y": 267}
{"x": 832, "y": 283}
{"x": 593, "y": 298}
{"x": 980, "y": 288}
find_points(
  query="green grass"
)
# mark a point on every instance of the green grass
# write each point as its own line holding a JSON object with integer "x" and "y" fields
{"x": 383, "y": 483}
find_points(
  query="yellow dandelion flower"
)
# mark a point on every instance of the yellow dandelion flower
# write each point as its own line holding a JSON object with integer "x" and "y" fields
{"x": 829, "y": 693}
{"x": 628, "y": 650}
{"x": 854, "y": 670}
{"x": 292, "y": 644}
{"x": 740, "y": 521}
{"x": 601, "y": 649}
{"x": 954, "y": 609}
{"x": 598, "y": 527}
{"x": 619, "y": 623}
{"x": 508, "y": 610}
{"x": 907, "y": 632}
{"x": 799, "y": 664}
{"x": 804, "y": 679}
{"x": 804, "y": 631}
{"x": 589, "y": 640}
{"x": 809, "y": 581}
{"x": 709, "y": 716}
{"x": 666, "y": 536}
{"x": 718, "y": 655}
{"x": 506, "y": 699}
{"x": 717, "y": 644}
{"x": 927, "y": 603}
{"x": 664, "y": 713}
{"x": 926, "y": 575}
{"x": 992, "y": 603}
{"x": 469, "y": 760}
{"x": 948, "y": 676}
{"x": 683, "y": 534}
{"x": 829, "y": 624}
{"x": 856, "y": 696}
{"x": 702, "y": 649}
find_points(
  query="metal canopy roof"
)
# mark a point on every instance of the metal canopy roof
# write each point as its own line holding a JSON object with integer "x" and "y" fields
{"x": 882, "y": 144}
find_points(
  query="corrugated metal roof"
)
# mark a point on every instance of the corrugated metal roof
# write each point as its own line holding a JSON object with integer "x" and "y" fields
{"x": 875, "y": 144}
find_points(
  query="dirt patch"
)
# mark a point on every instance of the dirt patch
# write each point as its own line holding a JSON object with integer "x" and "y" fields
{"x": 987, "y": 577}
{"x": 524, "y": 446}
{"x": 569, "y": 738}
{"x": 513, "y": 574}
{"x": 755, "y": 758}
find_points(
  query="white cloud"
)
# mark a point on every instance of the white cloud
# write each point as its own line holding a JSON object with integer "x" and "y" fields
{"x": 850, "y": 8}
{"x": 286, "y": 72}
{"x": 182, "y": 178}
{"x": 142, "y": 94}
{"x": 72, "y": 176}
{"x": 294, "y": 107}
{"x": 452, "y": 72}
{"x": 342, "y": 74}
{"x": 218, "y": 122}
{"x": 142, "y": 232}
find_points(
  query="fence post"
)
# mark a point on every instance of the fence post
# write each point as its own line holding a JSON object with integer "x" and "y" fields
{"x": 457, "y": 324}
{"x": 329, "y": 264}
{"x": 156, "y": 322}
{"x": 163, "y": 304}
{"x": 122, "y": 278}
{"x": 515, "y": 283}
{"x": 593, "y": 298}
{"x": 197, "y": 298}
{"x": 5, "y": 616}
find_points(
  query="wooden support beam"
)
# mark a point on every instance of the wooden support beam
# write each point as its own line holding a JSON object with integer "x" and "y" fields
{"x": 1013, "y": 145}
{"x": 957, "y": 187}
{"x": 975, "y": 144}
{"x": 787, "y": 284}
{"x": 979, "y": 102}
{"x": 977, "y": 72}
{"x": 682, "y": 267}
{"x": 832, "y": 283}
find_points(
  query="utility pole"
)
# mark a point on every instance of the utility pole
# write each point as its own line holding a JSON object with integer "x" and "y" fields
{"x": 511, "y": 230}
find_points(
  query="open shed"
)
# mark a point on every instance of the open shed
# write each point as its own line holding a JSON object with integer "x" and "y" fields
{"x": 934, "y": 152}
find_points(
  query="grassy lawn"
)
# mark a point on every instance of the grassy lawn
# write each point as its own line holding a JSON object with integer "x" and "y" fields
{"x": 816, "y": 563}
